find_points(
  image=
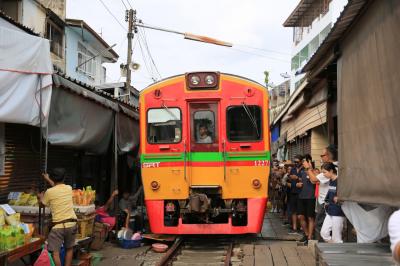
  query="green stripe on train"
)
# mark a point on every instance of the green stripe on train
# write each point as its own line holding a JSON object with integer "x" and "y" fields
{"x": 205, "y": 157}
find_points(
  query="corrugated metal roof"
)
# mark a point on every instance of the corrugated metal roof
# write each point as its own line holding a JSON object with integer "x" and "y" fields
{"x": 298, "y": 12}
{"x": 17, "y": 24}
{"x": 350, "y": 12}
{"x": 105, "y": 95}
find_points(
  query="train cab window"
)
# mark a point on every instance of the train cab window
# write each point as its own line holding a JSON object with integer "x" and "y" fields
{"x": 244, "y": 123}
{"x": 164, "y": 125}
{"x": 204, "y": 127}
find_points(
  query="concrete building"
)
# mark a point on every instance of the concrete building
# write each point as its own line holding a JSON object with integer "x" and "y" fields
{"x": 308, "y": 121}
{"x": 311, "y": 21}
{"x": 86, "y": 52}
{"x": 278, "y": 97}
{"x": 360, "y": 59}
{"x": 44, "y": 17}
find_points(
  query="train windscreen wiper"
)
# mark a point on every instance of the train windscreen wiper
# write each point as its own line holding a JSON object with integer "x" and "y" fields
{"x": 252, "y": 118}
{"x": 169, "y": 111}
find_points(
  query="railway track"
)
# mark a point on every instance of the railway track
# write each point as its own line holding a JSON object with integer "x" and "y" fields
{"x": 199, "y": 251}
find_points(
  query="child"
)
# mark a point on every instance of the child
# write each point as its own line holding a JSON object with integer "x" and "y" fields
{"x": 335, "y": 218}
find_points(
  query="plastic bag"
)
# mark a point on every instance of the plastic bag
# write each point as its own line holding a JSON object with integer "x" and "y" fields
{"x": 44, "y": 259}
{"x": 13, "y": 219}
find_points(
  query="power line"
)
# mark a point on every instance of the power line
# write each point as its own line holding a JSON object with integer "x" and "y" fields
{"x": 261, "y": 55}
{"x": 129, "y": 3}
{"x": 145, "y": 61}
{"x": 263, "y": 49}
{"x": 148, "y": 51}
{"x": 124, "y": 4}
{"x": 151, "y": 64}
{"x": 109, "y": 11}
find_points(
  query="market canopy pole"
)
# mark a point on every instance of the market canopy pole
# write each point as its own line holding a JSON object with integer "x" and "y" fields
{"x": 115, "y": 165}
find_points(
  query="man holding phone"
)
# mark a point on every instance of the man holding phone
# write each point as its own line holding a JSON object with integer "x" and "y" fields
{"x": 329, "y": 155}
{"x": 306, "y": 202}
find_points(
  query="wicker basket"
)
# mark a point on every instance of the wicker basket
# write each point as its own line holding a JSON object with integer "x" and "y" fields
{"x": 85, "y": 226}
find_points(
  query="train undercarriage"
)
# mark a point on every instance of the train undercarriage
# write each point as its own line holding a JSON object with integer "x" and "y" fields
{"x": 205, "y": 211}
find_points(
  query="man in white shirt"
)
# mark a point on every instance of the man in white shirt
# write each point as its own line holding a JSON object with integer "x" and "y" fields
{"x": 203, "y": 136}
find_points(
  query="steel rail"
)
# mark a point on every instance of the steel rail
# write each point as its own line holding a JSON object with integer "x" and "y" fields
{"x": 227, "y": 261}
{"x": 170, "y": 253}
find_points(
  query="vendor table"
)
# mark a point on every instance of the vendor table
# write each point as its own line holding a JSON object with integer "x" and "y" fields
{"x": 22, "y": 251}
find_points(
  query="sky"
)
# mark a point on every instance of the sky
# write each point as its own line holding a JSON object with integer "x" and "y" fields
{"x": 260, "y": 42}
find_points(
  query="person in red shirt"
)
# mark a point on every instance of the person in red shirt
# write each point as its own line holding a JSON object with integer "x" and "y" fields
{"x": 102, "y": 214}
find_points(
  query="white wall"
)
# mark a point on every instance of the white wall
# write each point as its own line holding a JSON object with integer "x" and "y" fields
{"x": 318, "y": 25}
{"x": 33, "y": 16}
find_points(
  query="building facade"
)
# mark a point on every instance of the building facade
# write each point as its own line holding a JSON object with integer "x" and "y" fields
{"x": 311, "y": 22}
{"x": 86, "y": 52}
{"x": 308, "y": 121}
{"x": 44, "y": 17}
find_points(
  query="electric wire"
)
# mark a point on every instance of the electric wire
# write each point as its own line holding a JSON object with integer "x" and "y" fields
{"x": 142, "y": 38}
{"x": 129, "y": 3}
{"x": 153, "y": 71}
{"x": 145, "y": 61}
{"x": 149, "y": 53}
{"x": 263, "y": 49}
{"x": 115, "y": 18}
{"x": 126, "y": 8}
{"x": 261, "y": 55}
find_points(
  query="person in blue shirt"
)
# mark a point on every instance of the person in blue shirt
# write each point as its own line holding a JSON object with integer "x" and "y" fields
{"x": 332, "y": 227}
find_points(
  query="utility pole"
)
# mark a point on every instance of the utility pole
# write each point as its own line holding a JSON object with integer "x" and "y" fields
{"x": 131, "y": 30}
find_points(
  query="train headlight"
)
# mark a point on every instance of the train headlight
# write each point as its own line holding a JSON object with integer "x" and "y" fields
{"x": 256, "y": 183}
{"x": 209, "y": 80}
{"x": 202, "y": 80}
{"x": 154, "y": 185}
{"x": 195, "y": 80}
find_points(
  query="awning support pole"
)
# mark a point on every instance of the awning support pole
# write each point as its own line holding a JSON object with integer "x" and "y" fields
{"x": 115, "y": 168}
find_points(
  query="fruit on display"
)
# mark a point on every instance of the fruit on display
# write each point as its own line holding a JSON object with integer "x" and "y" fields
{"x": 83, "y": 197}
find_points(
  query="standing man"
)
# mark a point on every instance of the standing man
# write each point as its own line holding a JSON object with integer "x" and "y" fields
{"x": 329, "y": 155}
{"x": 306, "y": 206}
{"x": 64, "y": 229}
{"x": 294, "y": 190}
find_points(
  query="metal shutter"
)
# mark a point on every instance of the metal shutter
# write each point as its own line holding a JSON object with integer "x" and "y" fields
{"x": 22, "y": 168}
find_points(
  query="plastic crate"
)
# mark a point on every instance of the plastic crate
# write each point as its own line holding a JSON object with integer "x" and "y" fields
{"x": 127, "y": 244}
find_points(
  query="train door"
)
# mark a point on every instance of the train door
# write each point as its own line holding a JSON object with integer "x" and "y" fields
{"x": 204, "y": 143}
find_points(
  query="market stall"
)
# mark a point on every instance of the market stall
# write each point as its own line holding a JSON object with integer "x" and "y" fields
{"x": 48, "y": 120}
{"x": 25, "y": 93}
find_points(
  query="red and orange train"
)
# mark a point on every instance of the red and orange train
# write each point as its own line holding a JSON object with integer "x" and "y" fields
{"x": 205, "y": 154}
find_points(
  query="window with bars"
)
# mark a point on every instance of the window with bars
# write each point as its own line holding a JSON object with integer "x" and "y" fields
{"x": 86, "y": 61}
{"x": 56, "y": 36}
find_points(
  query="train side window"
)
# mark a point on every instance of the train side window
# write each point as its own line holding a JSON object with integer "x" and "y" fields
{"x": 164, "y": 125}
{"x": 204, "y": 127}
{"x": 244, "y": 123}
